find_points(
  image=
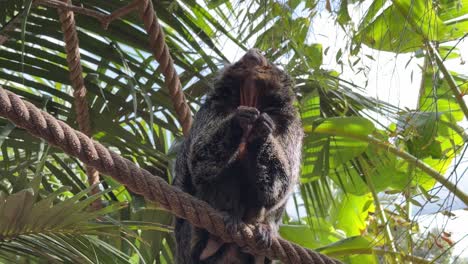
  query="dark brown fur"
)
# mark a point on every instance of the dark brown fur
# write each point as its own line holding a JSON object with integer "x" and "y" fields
{"x": 250, "y": 189}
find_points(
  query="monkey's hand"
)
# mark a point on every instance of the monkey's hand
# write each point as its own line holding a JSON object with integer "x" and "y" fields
{"x": 262, "y": 128}
{"x": 264, "y": 234}
{"x": 246, "y": 116}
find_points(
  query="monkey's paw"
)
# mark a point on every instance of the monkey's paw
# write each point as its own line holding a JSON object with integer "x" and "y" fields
{"x": 264, "y": 235}
{"x": 246, "y": 116}
{"x": 263, "y": 127}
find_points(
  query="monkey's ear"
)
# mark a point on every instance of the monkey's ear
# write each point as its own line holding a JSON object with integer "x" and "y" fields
{"x": 218, "y": 77}
{"x": 226, "y": 66}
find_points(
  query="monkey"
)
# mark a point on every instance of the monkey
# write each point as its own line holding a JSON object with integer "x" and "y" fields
{"x": 242, "y": 156}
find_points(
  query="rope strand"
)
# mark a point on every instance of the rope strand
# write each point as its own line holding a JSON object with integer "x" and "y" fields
{"x": 67, "y": 19}
{"x": 161, "y": 54}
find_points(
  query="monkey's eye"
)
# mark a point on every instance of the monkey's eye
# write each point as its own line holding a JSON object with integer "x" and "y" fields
{"x": 239, "y": 65}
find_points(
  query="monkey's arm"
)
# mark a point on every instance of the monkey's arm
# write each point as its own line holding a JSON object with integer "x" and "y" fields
{"x": 277, "y": 164}
{"x": 275, "y": 161}
{"x": 215, "y": 140}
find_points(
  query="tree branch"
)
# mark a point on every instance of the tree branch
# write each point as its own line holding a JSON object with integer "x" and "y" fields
{"x": 448, "y": 77}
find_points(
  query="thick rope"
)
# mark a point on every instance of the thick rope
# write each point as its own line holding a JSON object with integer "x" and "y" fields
{"x": 183, "y": 205}
{"x": 67, "y": 19}
{"x": 161, "y": 54}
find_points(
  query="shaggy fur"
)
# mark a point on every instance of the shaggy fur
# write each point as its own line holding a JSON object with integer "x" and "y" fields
{"x": 253, "y": 189}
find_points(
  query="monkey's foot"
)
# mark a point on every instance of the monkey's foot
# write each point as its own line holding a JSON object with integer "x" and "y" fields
{"x": 212, "y": 246}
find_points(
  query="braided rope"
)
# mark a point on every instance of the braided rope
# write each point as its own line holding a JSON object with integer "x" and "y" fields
{"x": 183, "y": 205}
{"x": 67, "y": 19}
{"x": 161, "y": 54}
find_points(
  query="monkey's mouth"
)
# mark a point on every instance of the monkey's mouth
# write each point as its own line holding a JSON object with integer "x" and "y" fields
{"x": 249, "y": 92}
{"x": 255, "y": 71}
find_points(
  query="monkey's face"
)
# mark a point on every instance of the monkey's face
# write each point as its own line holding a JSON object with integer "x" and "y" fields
{"x": 253, "y": 81}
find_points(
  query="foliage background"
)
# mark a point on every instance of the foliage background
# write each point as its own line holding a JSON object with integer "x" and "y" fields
{"x": 357, "y": 201}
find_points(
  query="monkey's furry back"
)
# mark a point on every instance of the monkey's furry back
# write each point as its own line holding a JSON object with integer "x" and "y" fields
{"x": 207, "y": 166}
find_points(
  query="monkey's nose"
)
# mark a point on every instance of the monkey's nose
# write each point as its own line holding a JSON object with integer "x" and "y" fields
{"x": 254, "y": 57}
